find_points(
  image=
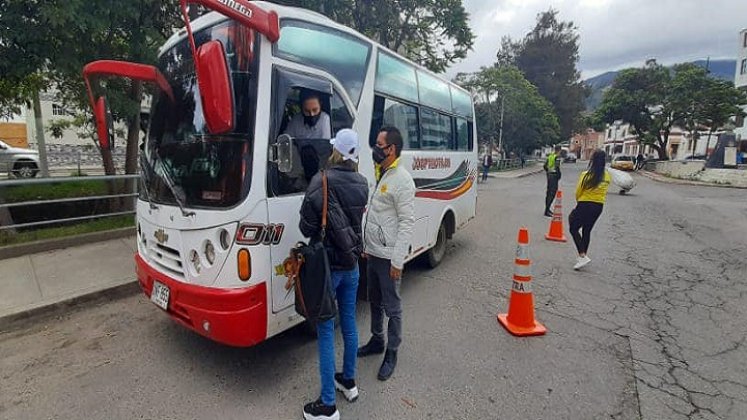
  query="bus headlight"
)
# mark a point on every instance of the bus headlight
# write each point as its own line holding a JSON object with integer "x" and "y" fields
{"x": 225, "y": 239}
{"x": 209, "y": 252}
{"x": 194, "y": 258}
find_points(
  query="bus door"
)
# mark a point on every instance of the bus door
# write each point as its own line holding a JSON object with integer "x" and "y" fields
{"x": 308, "y": 155}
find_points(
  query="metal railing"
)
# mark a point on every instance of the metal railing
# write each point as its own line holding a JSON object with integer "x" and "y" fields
{"x": 6, "y": 185}
{"x": 506, "y": 164}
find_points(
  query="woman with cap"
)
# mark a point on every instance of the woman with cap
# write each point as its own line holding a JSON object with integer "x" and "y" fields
{"x": 347, "y": 198}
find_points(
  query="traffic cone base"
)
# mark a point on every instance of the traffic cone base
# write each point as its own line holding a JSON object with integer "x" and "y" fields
{"x": 552, "y": 238}
{"x": 537, "y": 329}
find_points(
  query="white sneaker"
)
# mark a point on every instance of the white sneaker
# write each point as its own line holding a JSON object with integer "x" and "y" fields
{"x": 581, "y": 262}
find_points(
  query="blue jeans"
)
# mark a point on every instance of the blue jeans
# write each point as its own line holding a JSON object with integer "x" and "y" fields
{"x": 345, "y": 284}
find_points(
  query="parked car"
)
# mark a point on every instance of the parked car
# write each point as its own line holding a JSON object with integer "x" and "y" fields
{"x": 569, "y": 158}
{"x": 623, "y": 162}
{"x": 22, "y": 163}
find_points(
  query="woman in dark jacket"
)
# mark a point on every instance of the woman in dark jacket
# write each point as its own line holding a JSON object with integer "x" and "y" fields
{"x": 347, "y": 198}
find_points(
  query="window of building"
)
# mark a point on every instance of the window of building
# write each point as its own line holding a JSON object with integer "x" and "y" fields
{"x": 744, "y": 67}
{"x": 57, "y": 109}
{"x": 342, "y": 55}
{"x": 435, "y": 130}
{"x": 434, "y": 92}
{"x": 744, "y": 43}
{"x": 396, "y": 78}
{"x": 388, "y": 112}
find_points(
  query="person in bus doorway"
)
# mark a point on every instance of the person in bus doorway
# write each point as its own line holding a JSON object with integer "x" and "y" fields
{"x": 347, "y": 198}
{"x": 388, "y": 228}
{"x": 552, "y": 169}
{"x": 311, "y": 122}
{"x": 591, "y": 192}
{"x": 487, "y": 162}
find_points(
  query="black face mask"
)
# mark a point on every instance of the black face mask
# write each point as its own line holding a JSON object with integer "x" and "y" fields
{"x": 311, "y": 120}
{"x": 378, "y": 154}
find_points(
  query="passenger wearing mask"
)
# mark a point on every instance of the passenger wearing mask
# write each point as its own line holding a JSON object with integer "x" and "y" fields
{"x": 311, "y": 122}
{"x": 347, "y": 193}
{"x": 388, "y": 229}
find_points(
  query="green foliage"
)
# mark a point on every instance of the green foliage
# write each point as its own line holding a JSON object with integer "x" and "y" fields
{"x": 22, "y": 193}
{"x": 529, "y": 120}
{"x": 653, "y": 99}
{"x": 548, "y": 57}
{"x": 434, "y": 33}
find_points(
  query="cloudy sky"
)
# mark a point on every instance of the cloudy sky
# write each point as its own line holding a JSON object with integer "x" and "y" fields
{"x": 615, "y": 33}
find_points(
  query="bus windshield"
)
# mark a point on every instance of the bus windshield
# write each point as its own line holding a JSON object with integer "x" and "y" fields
{"x": 183, "y": 158}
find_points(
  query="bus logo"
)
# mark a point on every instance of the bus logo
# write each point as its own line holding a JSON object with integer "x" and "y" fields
{"x": 161, "y": 236}
{"x": 256, "y": 234}
{"x": 233, "y": 4}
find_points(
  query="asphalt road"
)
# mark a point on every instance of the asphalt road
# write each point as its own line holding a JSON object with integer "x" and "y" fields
{"x": 653, "y": 328}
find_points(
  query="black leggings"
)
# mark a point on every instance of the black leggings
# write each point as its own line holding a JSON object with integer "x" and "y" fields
{"x": 583, "y": 217}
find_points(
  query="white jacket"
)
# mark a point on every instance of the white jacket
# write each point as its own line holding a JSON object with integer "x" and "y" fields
{"x": 390, "y": 216}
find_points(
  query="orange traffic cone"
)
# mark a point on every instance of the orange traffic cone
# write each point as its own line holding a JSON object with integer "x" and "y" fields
{"x": 520, "y": 318}
{"x": 556, "y": 232}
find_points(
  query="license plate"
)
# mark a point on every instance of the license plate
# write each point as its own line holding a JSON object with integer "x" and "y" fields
{"x": 160, "y": 295}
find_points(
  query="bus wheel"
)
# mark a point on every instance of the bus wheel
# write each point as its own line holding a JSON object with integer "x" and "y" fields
{"x": 436, "y": 254}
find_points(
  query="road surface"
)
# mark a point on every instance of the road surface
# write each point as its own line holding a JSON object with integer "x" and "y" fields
{"x": 653, "y": 328}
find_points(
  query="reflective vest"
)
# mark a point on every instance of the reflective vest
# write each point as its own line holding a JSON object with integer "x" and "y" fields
{"x": 551, "y": 163}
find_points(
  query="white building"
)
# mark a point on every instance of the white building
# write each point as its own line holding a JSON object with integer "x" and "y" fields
{"x": 740, "y": 81}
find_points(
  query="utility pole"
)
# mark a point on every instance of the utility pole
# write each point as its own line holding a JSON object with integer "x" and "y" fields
{"x": 500, "y": 132}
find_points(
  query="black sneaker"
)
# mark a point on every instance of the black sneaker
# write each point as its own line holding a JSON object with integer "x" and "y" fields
{"x": 388, "y": 365}
{"x": 347, "y": 387}
{"x": 318, "y": 411}
{"x": 548, "y": 214}
{"x": 374, "y": 346}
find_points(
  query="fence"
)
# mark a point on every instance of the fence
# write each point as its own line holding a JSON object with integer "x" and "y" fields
{"x": 506, "y": 164}
{"x": 5, "y": 207}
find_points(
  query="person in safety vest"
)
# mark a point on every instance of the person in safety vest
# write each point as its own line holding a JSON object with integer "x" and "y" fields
{"x": 552, "y": 168}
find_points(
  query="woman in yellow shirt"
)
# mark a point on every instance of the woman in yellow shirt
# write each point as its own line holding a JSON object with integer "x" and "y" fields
{"x": 591, "y": 191}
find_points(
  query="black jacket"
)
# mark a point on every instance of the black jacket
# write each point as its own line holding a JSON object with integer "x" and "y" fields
{"x": 347, "y": 199}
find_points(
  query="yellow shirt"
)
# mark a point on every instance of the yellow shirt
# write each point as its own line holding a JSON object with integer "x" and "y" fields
{"x": 595, "y": 195}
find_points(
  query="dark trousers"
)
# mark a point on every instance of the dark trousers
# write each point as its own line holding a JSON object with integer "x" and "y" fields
{"x": 552, "y": 189}
{"x": 582, "y": 218}
{"x": 485, "y": 170}
{"x": 383, "y": 294}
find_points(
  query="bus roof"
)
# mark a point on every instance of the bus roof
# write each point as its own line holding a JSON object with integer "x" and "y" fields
{"x": 212, "y": 18}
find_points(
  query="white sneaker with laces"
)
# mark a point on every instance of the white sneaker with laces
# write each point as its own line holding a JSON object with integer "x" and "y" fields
{"x": 581, "y": 262}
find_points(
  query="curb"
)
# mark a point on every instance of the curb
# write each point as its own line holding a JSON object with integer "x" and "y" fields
{"x": 676, "y": 181}
{"x": 12, "y": 322}
{"x": 12, "y": 251}
{"x": 521, "y": 175}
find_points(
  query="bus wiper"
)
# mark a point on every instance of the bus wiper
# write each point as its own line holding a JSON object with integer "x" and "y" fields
{"x": 177, "y": 192}
{"x": 145, "y": 166}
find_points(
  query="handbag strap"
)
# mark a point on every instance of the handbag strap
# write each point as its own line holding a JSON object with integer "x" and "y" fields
{"x": 325, "y": 200}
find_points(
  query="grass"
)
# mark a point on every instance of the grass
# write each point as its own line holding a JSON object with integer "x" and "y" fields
{"x": 98, "y": 225}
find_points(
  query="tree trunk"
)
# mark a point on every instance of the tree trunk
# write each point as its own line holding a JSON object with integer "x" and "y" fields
{"x": 40, "y": 143}
{"x": 106, "y": 158}
{"x": 5, "y": 218}
{"x": 708, "y": 143}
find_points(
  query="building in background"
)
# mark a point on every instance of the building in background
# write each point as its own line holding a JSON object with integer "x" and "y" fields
{"x": 740, "y": 81}
{"x": 584, "y": 144}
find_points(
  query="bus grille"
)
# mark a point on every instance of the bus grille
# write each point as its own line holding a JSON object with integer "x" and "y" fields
{"x": 167, "y": 259}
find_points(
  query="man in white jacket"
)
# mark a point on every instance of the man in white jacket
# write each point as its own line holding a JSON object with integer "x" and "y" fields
{"x": 387, "y": 231}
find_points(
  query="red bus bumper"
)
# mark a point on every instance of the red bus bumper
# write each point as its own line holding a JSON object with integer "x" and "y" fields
{"x": 236, "y": 317}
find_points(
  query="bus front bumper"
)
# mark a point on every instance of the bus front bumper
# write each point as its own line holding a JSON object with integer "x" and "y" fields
{"x": 236, "y": 317}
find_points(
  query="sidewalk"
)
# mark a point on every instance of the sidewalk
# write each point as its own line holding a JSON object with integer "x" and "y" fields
{"x": 35, "y": 281}
{"x": 516, "y": 173}
{"x": 669, "y": 180}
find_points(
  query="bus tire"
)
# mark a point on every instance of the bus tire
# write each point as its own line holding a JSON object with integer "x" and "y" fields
{"x": 436, "y": 254}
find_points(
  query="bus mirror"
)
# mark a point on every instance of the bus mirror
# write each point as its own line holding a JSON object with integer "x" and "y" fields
{"x": 104, "y": 123}
{"x": 215, "y": 87}
{"x": 284, "y": 156}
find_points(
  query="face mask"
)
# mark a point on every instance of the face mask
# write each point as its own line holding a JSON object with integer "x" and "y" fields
{"x": 378, "y": 155}
{"x": 311, "y": 120}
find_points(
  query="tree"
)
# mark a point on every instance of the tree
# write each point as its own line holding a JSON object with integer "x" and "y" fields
{"x": 529, "y": 120}
{"x": 640, "y": 97}
{"x": 548, "y": 57}
{"x": 433, "y": 33}
{"x": 721, "y": 101}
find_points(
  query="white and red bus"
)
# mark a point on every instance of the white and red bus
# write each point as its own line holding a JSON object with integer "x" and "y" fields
{"x": 222, "y": 186}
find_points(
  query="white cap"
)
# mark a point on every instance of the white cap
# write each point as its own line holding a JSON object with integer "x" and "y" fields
{"x": 346, "y": 142}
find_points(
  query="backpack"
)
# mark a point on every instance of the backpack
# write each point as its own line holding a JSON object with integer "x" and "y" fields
{"x": 309, "y": 274}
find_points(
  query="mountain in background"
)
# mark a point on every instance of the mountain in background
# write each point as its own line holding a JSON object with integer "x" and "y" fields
{"x": 720, "y": 69}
